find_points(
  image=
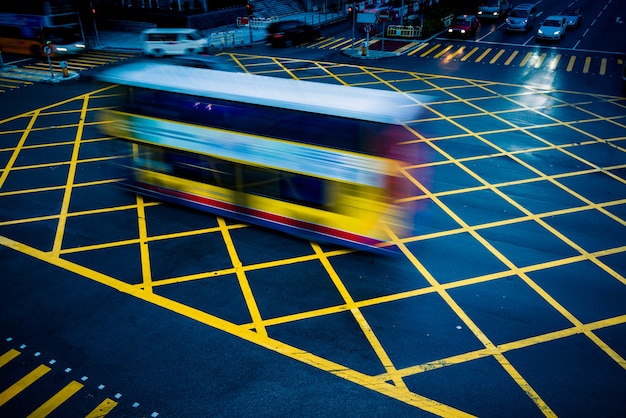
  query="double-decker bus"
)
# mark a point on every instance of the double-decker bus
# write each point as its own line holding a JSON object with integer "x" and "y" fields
{"x": 312, "y": 159}
{"x": 26, "y": 27}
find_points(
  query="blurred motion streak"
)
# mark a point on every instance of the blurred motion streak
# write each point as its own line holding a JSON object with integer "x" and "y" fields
{"x": 315, "y": 160}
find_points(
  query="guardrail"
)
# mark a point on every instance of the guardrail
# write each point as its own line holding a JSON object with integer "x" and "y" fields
{"x": 226, "y": 39}
{"x": 261, "y": 22}
{"x": 399, "y": 31}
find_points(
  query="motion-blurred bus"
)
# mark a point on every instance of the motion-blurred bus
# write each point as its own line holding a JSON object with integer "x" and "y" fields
{"x": 312, "y": 159}
{"x": 27, "y": 27}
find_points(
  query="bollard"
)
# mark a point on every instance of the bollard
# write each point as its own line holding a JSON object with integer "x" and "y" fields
{"x": 363, "y": 49}
{"x": 63, "y": 65}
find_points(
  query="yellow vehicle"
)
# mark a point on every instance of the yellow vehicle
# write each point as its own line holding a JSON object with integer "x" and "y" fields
{"x": 311, "y": 159}
{"x": 26, "y": 30}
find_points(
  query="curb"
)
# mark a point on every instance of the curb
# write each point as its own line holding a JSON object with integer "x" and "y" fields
{"x": 17, "y": 73}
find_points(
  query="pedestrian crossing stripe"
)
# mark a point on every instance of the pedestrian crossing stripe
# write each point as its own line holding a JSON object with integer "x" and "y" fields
{"x": 477, "y": 54}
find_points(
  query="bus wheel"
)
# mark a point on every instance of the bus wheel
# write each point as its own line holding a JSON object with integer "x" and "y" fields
{"x": 158, "y": 53}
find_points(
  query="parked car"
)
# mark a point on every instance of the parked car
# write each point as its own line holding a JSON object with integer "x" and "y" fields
{"x": 521, "y": 18}
{"x": 464, "y": 25}
{"x": 291, "y": 32}
{"x": 552, "y": 29}
{"x": 493, "y": 9}
{"x": 573, "y": 17}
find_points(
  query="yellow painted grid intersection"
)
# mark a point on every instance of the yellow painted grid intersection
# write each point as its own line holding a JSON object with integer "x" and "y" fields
{"x": 454, "y": 109}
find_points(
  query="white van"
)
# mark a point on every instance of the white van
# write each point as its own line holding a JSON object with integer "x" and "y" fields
{"x": 160, "y": 42}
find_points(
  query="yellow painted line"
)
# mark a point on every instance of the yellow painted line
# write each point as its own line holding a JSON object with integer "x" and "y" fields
{"x": 354, "y": 376}
{"x": 469, "y": 54}
{"x": 340, "y": 44}
{"x": 327, "y": 42}
{"x": 406, "y": 47}
{"x": 603, "y": 66}
{"x": 103, "y": 409}
{"x": 56, "y": 400}
{"x": 357, "y": 44}
{"x": 419, "y": 48}
{"x": 23, "y": 383}
{"x": 443, "y": 51}
{"x": 511, "y": 58}
{"x": 483, "y": 55}
{"x": 430, "y": 50}
{"x": 570, "y": 64}
{"x": 360, "y": 319}
{"x": 498, "y": 55}
{"x": 244, "y": 284}
{"x": 525, "y": 59}
{"x": 457, "y": 52}
{"x": 587, "y": 65}
{"x": 65, "y": 204}
{"x": 555, "y": 62}
{"x": 146, "y": 271}
{"x": 542, "y": 57}
{"x": 8, "y": 356}
{"x": 9, "y": 164}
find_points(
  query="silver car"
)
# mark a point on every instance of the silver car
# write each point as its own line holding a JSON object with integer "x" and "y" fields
{"x": 521, "y": 18}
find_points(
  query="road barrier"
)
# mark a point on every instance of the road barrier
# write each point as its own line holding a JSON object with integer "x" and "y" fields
{"x": 398, "y": 31}
{"x": 262, "y": 23}
{"x": 227, "y": 39}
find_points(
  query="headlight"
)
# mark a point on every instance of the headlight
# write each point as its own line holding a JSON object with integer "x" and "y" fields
{"x": 540, "y": 32}
{"x": 462, "y": 30}
{"x": 557, "y": 33}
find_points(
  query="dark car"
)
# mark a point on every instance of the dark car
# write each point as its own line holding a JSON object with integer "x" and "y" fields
{"x": 464, "y": 25}
{"x": 291, "y": 32}
{"x": 573, "y": 17}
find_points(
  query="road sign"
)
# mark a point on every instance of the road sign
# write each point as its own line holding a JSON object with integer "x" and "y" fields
{"x": 47, "y": 50}
{"x": 371, "y": 18}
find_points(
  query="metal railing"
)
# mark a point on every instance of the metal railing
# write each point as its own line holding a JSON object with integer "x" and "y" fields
{"x": 398, "y": 31}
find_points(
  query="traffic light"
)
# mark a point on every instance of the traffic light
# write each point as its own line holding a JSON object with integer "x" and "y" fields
{"x": 249, "y": 9}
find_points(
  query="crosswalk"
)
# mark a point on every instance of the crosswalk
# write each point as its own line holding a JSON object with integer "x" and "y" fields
{"x": 568, "y": 60}
{"x": 38, "y": 386}
{"x": 31, "y": 73}
{"x": 89, "y": 60}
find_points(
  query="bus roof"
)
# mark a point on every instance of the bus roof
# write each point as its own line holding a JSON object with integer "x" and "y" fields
{"x": 323, "y": 98}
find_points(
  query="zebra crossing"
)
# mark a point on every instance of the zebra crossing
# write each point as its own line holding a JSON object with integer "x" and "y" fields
{"x": 572, "y": 61}
{"x": 39, "y": 385}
